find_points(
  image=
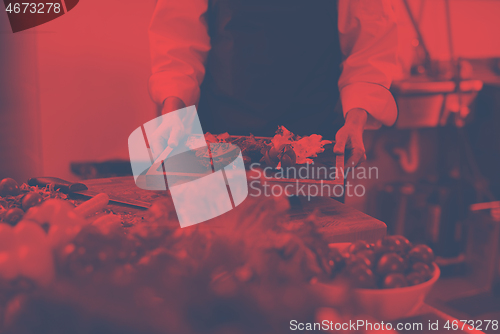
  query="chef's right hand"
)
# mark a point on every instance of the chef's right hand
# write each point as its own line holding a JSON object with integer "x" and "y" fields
{"x": 350, "y": 137}
{"x": 171, "y": 129}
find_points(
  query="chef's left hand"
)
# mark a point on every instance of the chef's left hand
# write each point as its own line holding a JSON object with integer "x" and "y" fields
{"x": 350, "y": 137}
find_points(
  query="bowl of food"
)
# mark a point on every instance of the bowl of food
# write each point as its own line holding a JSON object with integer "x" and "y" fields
{"x": 395, "y": 303}
{"x": 391, "y": 278}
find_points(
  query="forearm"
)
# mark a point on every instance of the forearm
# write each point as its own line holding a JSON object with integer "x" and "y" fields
{"x": 179, "y": 45}
{"x": 368, "y": 37}
{"x": 172, "y": 103}
{"x": 357, "y": 117}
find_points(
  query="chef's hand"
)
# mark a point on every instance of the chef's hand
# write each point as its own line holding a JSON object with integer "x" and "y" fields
{"x": 350, "y": 137}
{"x": 171, "y": 132}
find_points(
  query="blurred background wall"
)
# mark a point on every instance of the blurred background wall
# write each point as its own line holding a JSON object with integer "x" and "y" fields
{"x": 74, "y": 88}
{"x": 20, "y": 129}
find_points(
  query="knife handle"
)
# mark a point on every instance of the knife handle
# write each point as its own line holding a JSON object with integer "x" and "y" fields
{"x": 59, "y": 184}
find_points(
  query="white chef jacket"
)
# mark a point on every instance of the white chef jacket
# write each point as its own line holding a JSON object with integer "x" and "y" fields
{"x": 180, "y": 44}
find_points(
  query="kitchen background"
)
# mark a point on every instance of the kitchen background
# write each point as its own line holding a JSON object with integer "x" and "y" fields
{"x": 83, "y": 78}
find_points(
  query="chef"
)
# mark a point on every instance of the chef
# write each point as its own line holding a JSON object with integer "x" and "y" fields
{"x": 314, "y": 66}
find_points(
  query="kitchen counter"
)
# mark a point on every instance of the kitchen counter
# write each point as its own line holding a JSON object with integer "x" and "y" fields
{"x": 336, "y": 221}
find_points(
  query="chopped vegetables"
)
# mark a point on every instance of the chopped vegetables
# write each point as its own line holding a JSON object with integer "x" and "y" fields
{"x": 22, "y": 198}
{"x": 34, "y": 253}
{"x": 8, "y": 261}
{"x": 13, "y": 216}
{"x": 108, "y": 224}
{"x": 304, "y": 147}
{"x": 285, "y": 149}
{"x": 91, "y": 206}
{"x": 25, "y": 252}
{"x": 59, "y": 218}
{"x": 27, "y": 240}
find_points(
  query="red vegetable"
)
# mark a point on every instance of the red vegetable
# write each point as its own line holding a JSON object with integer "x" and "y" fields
{"x": 9, "y": 267}
{"x": 93, "y": 205}
{"x": 286, "y": 161}
{"x": 390, "y": 263}
{"x": 421, "y": 253}
{"x": 395, "y": 280}
{"x": 288, "y": 156}
{"x": 335, "y": 260}
{"x": 358, "y": 246}
{"x": 9, "y": 187}
{"x": 13, "y": 216}
{"x": 34, "y": 253}
{"x": 406, "y": 244}
{"x": 63, "y": 223}
{"x": 415, "y": 278}
{"x": 423, "y": 269}
{"x": 3, "y": 211}
{"x": 31, "y": 199}
{"x": 391, "y": 243}
{"x": 268, "y": 160}
{"x": 368, "y": 255}
{"x": 283, "y": 154}
{"x": 361, "y": 277}
{"x": 273, "y": 154}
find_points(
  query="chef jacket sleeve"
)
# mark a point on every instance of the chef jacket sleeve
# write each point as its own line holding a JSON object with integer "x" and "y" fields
{"x": 368, "y": 39}
{"x": 179, "y": 42}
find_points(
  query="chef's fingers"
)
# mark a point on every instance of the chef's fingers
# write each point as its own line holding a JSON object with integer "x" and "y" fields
{"x": 340, "y": 141}
{"x": 172, "y": 103}
{"x": 171, "y": 118}
{"x": 176, "y": 133}
{"x": 358, "y": 149}
{"x": 157, "y": 143}
{"x": 358, "y": 156}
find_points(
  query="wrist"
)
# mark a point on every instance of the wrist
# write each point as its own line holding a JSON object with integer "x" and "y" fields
{"x": 356, "y": 117}
{"x": 172, "y": 103}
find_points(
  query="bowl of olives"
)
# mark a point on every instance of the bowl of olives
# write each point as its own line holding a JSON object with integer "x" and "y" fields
{"x": 392, "y": 277}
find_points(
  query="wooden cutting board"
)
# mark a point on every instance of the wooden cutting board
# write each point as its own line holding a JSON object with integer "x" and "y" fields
{"x": 337, "y": 221}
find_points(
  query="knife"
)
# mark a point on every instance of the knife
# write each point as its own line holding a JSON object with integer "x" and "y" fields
{"x": 81, "y": 189}
{"x": 164, "y": 155}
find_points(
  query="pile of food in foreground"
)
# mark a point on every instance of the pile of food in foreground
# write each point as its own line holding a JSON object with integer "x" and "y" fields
{"x": 64, "y": 269}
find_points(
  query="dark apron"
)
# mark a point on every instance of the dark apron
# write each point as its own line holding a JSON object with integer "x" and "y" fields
{"x": 272, "y": 62}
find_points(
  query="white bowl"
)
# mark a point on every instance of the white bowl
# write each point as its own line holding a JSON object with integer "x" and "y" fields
{"x": 391, "y": 304}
